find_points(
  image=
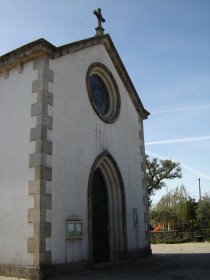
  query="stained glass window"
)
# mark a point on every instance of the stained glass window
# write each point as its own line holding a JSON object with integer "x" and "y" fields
{"x": 99, "y": 93}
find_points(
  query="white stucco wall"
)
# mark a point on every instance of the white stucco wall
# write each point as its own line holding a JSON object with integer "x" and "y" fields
{"x": 15, "y": 122}
{"x": 79, "y": 136}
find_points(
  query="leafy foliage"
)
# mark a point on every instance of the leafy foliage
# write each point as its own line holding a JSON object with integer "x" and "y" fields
{"x": 157, "y": 171}
{"x": 203, "y": 210}
{"x": 176, "y": 208}
{"x": 164, "y": 241}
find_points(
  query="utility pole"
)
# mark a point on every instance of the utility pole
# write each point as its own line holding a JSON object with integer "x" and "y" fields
{"x": 199, "y": 184}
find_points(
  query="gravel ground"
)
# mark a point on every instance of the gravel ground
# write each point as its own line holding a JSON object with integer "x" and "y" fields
{"x": 169, "y": 261}
{"x": 188, "y": 261}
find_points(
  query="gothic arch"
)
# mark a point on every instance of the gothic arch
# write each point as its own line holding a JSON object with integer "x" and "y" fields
{"x": 116, "y": 206}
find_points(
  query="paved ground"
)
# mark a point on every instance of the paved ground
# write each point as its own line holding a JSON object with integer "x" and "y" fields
{"x": 184, "y": 248}
{"x": 169, "y": 261}
{"x": 188, "y": 261}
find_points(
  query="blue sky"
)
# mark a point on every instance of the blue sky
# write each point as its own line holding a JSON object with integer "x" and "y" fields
{"x": 165, "y": 47}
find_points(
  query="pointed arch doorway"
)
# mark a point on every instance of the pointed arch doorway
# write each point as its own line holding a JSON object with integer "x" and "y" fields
{"x": 106, "y": 211}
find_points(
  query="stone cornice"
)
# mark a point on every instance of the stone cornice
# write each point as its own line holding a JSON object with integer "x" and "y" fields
{"x": 42, "y": 48}
{"x": 26, "y": 53}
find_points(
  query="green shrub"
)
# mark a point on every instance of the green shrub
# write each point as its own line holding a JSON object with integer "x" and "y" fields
{"x": 170, "y": 241}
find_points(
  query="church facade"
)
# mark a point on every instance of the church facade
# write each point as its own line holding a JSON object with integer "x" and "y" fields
{"x": 72, "y": 188}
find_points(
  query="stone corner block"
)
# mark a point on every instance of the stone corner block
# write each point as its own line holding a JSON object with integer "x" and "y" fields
{"x": 36, "y": 187}
{"x": 40, "y": 85}
{"x": 43, "y": 173}
{"x": 40, "y": 62}
{"x": 37, "y": 159}
{"x": 42, "y": 201}
{"x": 36, "y": 215}
{"x": 44, "y": 146}
{"x": 42, "y": 258}
{"x": 38, "y": 132}
{"x": 38, "y": 108}
{"x": 33, "y": 245}
{"x": 50, "y": 76}
{"x": 45, "y": 121}
{"x": 45, "y": 97}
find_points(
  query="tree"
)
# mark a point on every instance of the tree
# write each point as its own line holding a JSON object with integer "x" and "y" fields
{"x": 203, "y": 211}
{"x": 162, "y": 213}
{"x": 176, "y": 208}
{"x": 191, "y": 206}
{"x": 159, "y": 170}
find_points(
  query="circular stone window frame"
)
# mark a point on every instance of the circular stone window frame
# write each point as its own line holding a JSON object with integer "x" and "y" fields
{"x": 106, "y": 76}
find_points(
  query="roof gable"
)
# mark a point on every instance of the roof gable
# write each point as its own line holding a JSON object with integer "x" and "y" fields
{"x": 42, "y": 47}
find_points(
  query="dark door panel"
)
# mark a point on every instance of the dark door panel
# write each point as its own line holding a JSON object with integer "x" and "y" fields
{"x": 99, "y": 218}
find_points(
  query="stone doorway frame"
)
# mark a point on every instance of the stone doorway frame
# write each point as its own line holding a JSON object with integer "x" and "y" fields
{"x": 116, "y": 207}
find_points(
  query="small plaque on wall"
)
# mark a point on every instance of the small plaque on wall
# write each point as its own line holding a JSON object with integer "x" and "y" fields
{"x": 135, "y": 216}
{"x": 73, "y": 230}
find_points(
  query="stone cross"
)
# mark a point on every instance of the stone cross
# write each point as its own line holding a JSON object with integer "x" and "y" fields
{"x": 99, "y": 29}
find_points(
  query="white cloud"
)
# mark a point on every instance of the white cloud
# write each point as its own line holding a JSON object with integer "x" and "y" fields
{"x": 181, "y": 140}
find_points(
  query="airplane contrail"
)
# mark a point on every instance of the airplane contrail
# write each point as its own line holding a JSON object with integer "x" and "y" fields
{"x": 181, "y": 140}
{"x": 192, "y": 170}
{"x": 185, "y": 108}
{"x": 198, "y": 173}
